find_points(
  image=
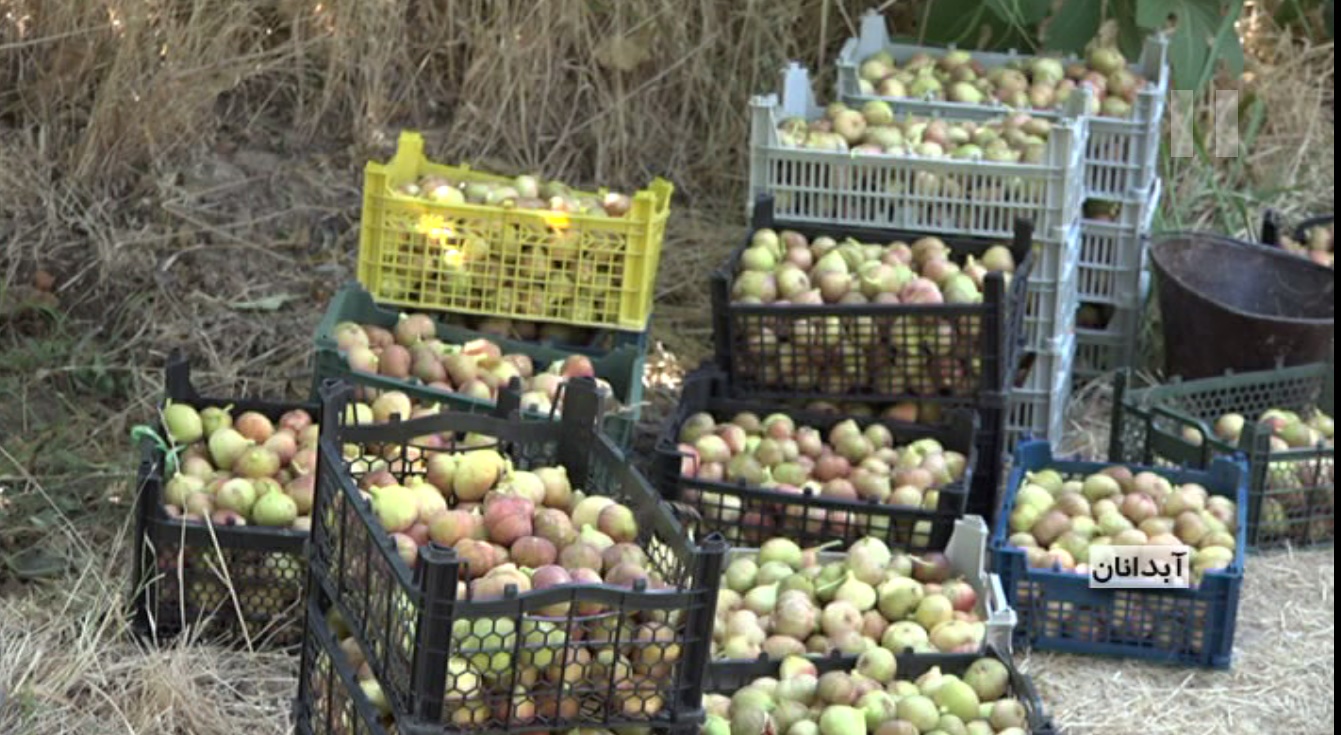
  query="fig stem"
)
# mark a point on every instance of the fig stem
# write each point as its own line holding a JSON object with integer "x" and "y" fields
{"x": 835, "y": 583}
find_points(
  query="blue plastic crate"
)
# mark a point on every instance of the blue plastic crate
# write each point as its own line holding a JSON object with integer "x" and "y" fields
{"x": 1058, "y": 611}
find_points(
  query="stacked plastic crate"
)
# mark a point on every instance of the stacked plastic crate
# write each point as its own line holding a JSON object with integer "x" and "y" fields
{"x": 1097, "y": 272}
{"x": 1122, "y": 191}
{"x": 944, "y": 197}
{"x": 409, "y": 631}
{"x": 532, "y": 269}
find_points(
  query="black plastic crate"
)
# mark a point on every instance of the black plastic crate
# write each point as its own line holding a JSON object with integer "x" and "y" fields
{"x": 237, "y": 584}
{"x": 726, "y": 678}
{"x": 331, "y": 700}
{"x": 416, "y": 624}
{"x": 989, "y": 474}
{"x": 1291, "y": 494}
{"x": 748, "y": 515}
{"x": 964, "y": 354}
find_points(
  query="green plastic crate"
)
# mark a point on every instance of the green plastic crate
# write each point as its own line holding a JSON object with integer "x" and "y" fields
{"x": 622, "y": 367}
{"x": 1291, "y": 496}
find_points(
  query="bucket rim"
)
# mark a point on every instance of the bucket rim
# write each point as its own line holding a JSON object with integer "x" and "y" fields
{"x": 1160, "y": 238}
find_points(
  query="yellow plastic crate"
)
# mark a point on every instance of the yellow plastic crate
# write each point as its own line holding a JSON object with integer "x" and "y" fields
{"x": 581, "y": 269}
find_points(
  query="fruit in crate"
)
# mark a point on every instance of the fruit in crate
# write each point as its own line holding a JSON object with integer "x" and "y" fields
{"x": 240, "y": 470}
{"x": 1289, "y": 430}
{"x": 556, "y": 264}
{"x": 1102, "y": 210}
{"x": 886, "y": 353}
{"x": 1057, "y": 520}
{"x": 911, "y": 412}
{"x": 785, "y": 600}
{"x": 522, "y": 192}
{"x": 849, "y": 464}
{"x": 874, "y": 697}
{"x": 1094, "y": 316}
{"x": 521, "y": 329}
{"x": 785, "y": 268}
{"x": 519, "y": 532}
{"x": 530, "y": 528}
{"x": 1299, "y": 502}
{"x": 352, "y": 658}
{"x": 524, "y": 523}
{"x": 875, "y": 129}
{"x": 477, "y": 369}
{"x": 1038, "y": 83}
{"x": 1319, "y": 244}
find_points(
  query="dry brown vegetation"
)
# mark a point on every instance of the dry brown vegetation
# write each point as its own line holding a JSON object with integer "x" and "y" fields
{"x": 174, "y": 162}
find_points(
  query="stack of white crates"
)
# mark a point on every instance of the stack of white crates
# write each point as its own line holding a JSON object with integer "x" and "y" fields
{"x": 880, "y": 191}
{"x": 1100, "y": 272}
{"x": 1114, "y": 281}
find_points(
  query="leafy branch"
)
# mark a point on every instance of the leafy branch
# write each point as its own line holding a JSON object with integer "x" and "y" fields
{"x": 1202, "y": 33}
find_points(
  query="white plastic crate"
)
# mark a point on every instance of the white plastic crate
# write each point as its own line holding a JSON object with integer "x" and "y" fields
{"x": 1038, "y": 407}
{"x": 1101, "y": 351}
{"x": 953, "y": 197}
{"x": 1050, "y": 315}
{"x": 1122, "y": 153}
{"x": 966, "y": 551}
{"x": 1112, "y": 254}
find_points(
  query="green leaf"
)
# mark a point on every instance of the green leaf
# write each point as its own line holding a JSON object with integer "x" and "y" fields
{"x": 1076, "y": 22}
{"x": 1199, "y": 24}
{"x": 1228, "y": 47}
{"x": 954, "y": 21}
{"x": 1154, "y": 14}
{"x": 970, "y": 25}
{"x": 1131, "y": 37}
{"x": 1020, "y": 12}
{"x": 170, "y": 453}
{"x": 141, "y": 431}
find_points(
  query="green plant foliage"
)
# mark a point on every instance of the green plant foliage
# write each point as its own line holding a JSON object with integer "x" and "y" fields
{"x": 1076, "y": 22}
{"x": 967, "y": 23}
{"x": 1202, "y": 36}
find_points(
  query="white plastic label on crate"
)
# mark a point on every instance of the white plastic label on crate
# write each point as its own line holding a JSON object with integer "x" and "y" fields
{"x": 1140, "y": 567}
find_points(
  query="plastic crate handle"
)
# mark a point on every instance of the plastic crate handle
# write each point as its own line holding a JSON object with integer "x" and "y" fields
{"x": 177, "y": 377}
{"x": 437, "y": 574}
{"x": 1175, "y": 446}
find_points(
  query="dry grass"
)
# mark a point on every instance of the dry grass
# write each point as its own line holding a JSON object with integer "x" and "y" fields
{"x": 1281, "y": 681}
{"x": 68, "y": 668}
{"x": 172, "y": 162}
